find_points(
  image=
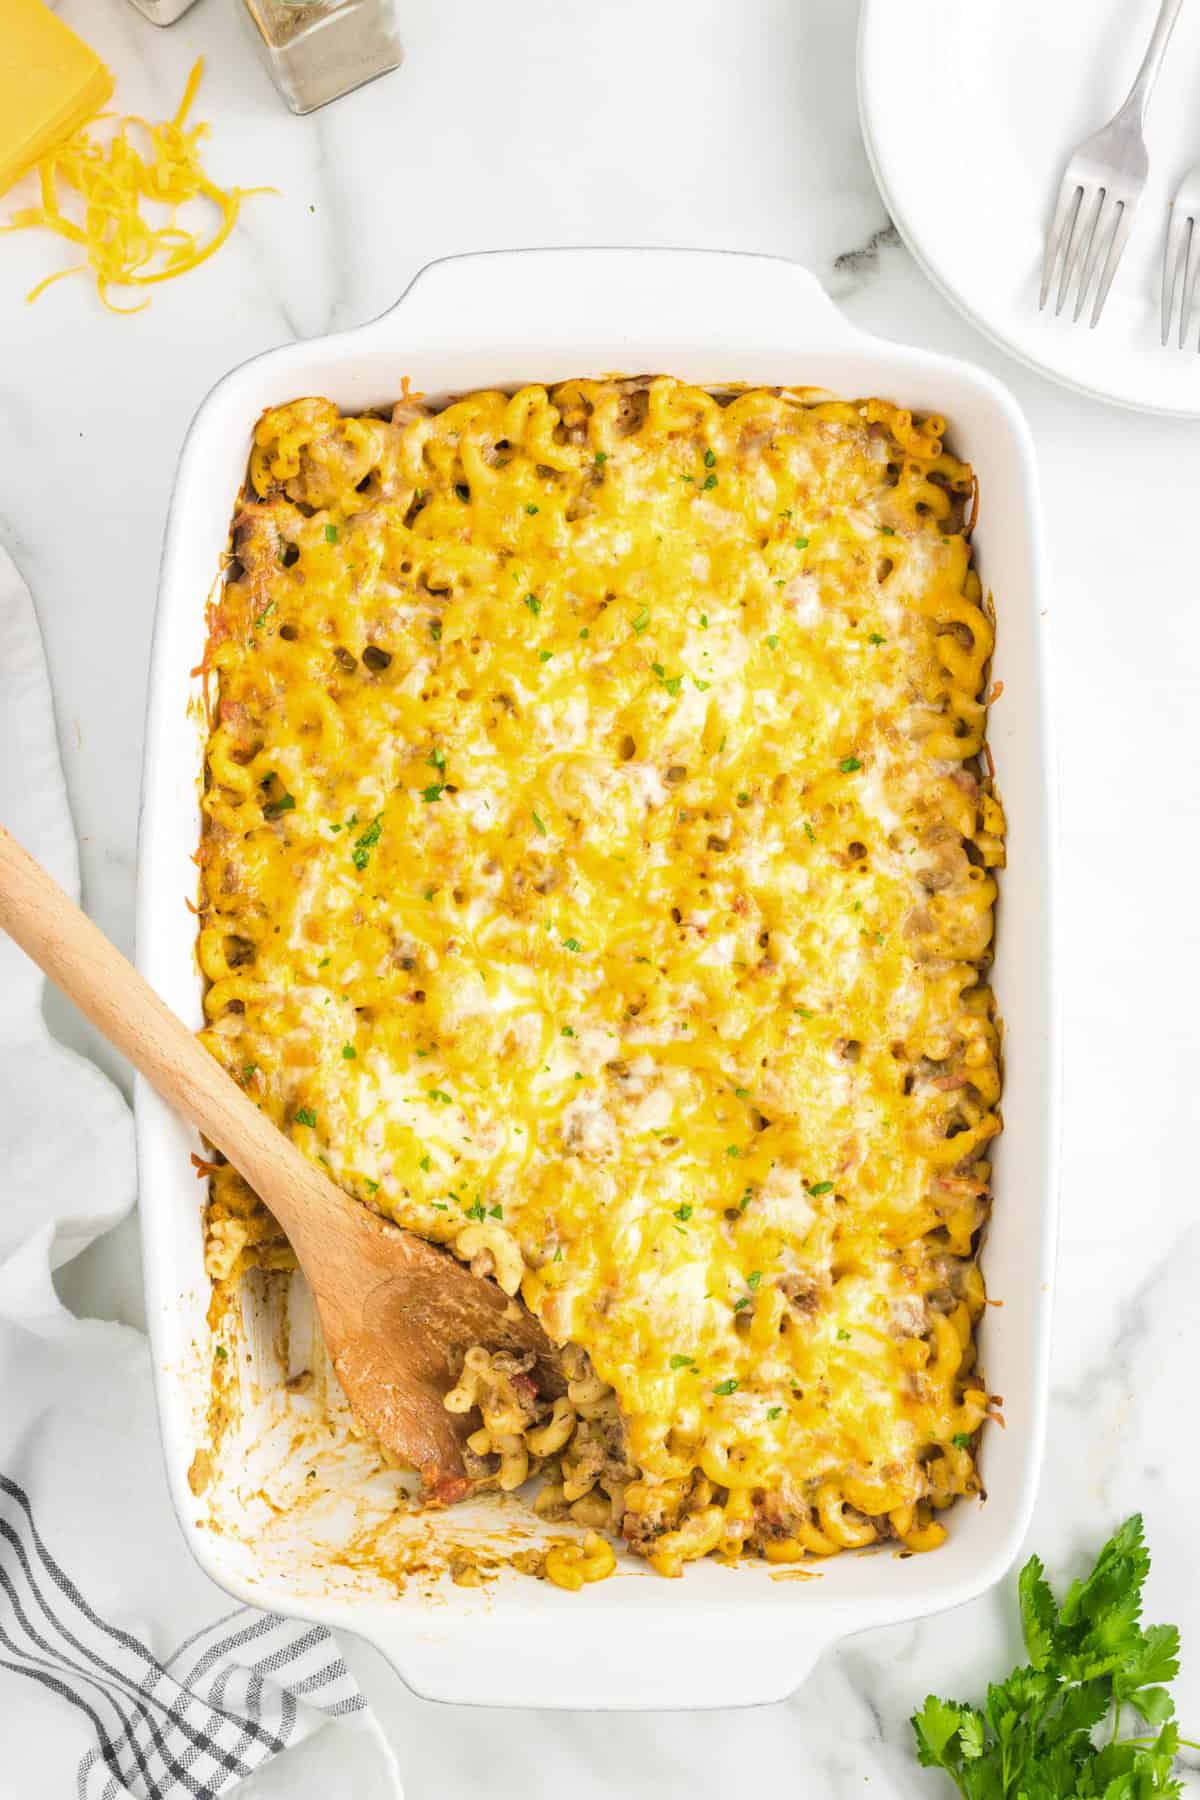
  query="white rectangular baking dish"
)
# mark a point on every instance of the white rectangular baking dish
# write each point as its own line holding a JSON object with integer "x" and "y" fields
{"x": 720, "y": 1636}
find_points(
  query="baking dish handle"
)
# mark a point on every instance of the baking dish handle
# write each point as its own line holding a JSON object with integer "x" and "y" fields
{"x": 647, "y": 1656}
{"x": 732, "y": 301}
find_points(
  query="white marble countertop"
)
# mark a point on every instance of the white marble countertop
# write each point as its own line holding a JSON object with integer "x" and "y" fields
{"x": 727, "y": 126}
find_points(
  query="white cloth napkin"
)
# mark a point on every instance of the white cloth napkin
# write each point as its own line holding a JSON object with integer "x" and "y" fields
{"x": 122, "y": 1667}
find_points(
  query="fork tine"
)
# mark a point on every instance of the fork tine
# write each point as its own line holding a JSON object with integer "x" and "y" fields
{"x": 1116, "y": 249}
{"x": 1178, "y": 230}
{"x": 1106, "y": 213}
{"x": 1187, "y": 291}
{"x": 1082, "y": 234}
{"x": 1070, "y": 198}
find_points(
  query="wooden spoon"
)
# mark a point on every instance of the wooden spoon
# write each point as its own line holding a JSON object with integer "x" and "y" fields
{"x": 394, "y": 1309}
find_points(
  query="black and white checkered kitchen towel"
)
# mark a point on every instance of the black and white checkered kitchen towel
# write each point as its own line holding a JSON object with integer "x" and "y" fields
{"x": 232, "y": 1695}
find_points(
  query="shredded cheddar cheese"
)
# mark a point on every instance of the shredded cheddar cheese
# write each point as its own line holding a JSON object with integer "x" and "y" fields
{"x": 598, "y": 878}
{"x": 121, "y": 247}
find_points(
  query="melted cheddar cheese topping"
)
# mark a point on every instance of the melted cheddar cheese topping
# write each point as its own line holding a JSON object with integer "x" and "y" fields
{"x": 597, "y": 878}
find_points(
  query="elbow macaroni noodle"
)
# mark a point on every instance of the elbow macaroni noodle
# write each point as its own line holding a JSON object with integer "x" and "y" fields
{"x": 598, "y": 875}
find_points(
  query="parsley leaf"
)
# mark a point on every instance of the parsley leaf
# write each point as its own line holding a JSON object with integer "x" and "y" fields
{"x": 1088, "y": 1659}
{"x": 726, "y": 1387}
{"x": 365, "y": 844}
{"x": 331, "y": 534}
{"x": 683, "y": 1362}
{"x": 305, "y": 1115}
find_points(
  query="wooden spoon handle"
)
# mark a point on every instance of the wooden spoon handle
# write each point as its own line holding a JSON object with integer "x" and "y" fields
{"x": 79, "y": 959}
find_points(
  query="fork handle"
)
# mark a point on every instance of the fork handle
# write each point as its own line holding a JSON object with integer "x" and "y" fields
{"x": 1138, "y": 99}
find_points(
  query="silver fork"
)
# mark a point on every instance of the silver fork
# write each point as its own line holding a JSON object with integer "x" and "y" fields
{"x": 1102, "y": 185}
{"x": 1177, "y": 257}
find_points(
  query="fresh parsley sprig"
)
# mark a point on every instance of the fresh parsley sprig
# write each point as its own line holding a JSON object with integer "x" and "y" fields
{"x": 1091, "y": 1664}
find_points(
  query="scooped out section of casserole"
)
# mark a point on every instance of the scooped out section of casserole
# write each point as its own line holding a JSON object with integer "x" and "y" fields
{"x": 597, "y": 877}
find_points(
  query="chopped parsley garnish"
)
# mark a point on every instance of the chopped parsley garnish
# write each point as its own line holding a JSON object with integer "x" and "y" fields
{"x": 366, "y": 843}
{"x": 773, "y": 641}
{"x": 567, "y": 1032}
{"x": 875, "y": 638}
{"x": 729, "y": 1386}
{"x": 887, "y": 531}
{"x": 802, "y": 1012}
{"x": 817, "y": 1188}
{"x": 602, "y": 456}
{"x": 732, "y": 1150}
{"x": 538, "y": 823}
{"x": 961, "y": 1440}
{"x": 440, "y": 1094}
{"x": 702, "y": 686}
{"x": 331, "y": 534}
{"x": 572, "y": 944}
{"x": 285, "y": 803}
{"x": 531, "y": 509}
{"x": 584, "y": 632}
{"x": 558, "y": 1255}
{"x": 222, "y": 1353}
{"x": 435, "y": 630}
{"x": 802, "y": 543}
{"x": 249, "y": 1070}
{"x": 643, "y": 619}
{"x": 495, "y": 1212}
{"x": 545, "y": 655}
{"x": 709, "y": 459}
{"x": 843, "y": 1336}
{"x": 349, "y": 1052}
{"x": 436, "y": 759}
{"x": 534, "y": 604}
{"x": 264, "y": 615}
{"x": 849, "y": 764}
{"x": 683, "y": 1362}
{"x": 753, "y": 1279}
{"x": 809, "y": 833}
{"x": 305, "y": 1116}
{"x": 704, "y": 620}
{"x": 476, "y": 1210}
{"x": 740, "y": 1305}
{"x": 710, "y": 481}
{"x": 324, "y": 962}
{"x": 432, "y": 792}
{"x": 683, "y": 1212}
{"x": 773, "y": 1412}
{"x": 741, "y": 1093}
{"x": 372, "y": 1186}
{"x": 424, "y": 1163}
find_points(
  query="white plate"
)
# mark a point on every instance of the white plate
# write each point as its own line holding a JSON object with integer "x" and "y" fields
{"x": 970, "y": 113}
